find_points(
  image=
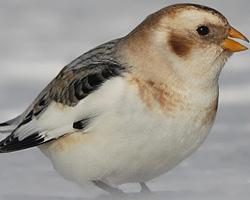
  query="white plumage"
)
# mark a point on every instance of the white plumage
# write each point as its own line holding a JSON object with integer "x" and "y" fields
{"x": 133, "y": 108}
{"x": 126, "y": 142}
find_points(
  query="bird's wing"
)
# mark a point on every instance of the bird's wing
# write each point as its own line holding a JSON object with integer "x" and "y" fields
{"x": 9, "y": 126}
{"x": 57, "y": 110}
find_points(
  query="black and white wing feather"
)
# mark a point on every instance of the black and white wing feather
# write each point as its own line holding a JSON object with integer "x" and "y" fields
{"x": 9, "y": 126}
{"x": 57, "y": 110}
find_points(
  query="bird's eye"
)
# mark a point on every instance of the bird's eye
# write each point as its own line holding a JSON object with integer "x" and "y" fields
{"x": 203, "y": 30}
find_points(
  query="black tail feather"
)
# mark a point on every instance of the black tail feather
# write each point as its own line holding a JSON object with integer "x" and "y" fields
{"x": 12, "y": 143}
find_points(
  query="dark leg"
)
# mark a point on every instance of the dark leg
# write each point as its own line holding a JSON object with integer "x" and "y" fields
{"x": 107, "y": 188}
{"x": 144, "y": 188}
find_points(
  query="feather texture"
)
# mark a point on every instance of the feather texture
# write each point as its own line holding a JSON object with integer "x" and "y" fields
{"x": 45, "y": 119}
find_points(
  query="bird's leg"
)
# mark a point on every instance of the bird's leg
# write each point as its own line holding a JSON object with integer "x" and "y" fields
{"x": 144, "y": 188}
{"x": 107, "y": 188}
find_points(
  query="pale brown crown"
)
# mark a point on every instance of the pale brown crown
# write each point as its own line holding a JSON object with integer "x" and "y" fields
{"x": 152, "y": 20}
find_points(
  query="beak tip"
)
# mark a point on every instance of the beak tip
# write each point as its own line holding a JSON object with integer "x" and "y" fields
{"x": 244, "y": 49}
{"x": 238, "y": 35}
{"x": 233, "y": 46}
{"x": 246, "y": 39}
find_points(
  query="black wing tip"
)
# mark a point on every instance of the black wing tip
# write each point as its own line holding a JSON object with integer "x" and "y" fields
{"x": 11, "y": 143}
{"x": 79, "y": 125}
{"x": 6, "y": 127}
{"x": 4, "y": 124}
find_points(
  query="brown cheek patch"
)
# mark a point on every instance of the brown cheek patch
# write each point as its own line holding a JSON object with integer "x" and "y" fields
{"x": 180, "y": 44}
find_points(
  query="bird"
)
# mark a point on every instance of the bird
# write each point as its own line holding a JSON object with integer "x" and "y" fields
{"x": 135, "y": 107}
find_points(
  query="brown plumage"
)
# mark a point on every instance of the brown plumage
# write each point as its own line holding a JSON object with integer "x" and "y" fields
{"x": 180, "y": 45}
{"x": 158, "y": 96}
{"x": 133, "y": 108}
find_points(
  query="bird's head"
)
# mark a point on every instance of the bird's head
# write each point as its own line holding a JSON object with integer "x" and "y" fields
{"x": 193, "y": 41}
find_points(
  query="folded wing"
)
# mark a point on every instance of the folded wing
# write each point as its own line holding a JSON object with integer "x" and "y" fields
{"x": 56, "y": 110}
{"x": 9, "y": 126}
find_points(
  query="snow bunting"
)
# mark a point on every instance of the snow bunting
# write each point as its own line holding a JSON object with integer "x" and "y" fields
{"x": 133, "y": 108}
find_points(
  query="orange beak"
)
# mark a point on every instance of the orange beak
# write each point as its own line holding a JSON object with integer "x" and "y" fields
{"x": 231, "y": 45}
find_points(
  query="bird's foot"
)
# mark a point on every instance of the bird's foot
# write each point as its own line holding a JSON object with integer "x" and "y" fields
{"x": 108, "y": 188}
{"x": 145, "y": 189}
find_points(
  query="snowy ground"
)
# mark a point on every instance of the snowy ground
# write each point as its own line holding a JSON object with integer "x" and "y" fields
{"x": 38, "y": 38}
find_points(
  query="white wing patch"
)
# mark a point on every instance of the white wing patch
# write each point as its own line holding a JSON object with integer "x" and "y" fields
{"x": 59, "y": 119}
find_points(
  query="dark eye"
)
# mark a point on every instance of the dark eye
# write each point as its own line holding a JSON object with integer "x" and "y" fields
{"x": 203, "y": 30}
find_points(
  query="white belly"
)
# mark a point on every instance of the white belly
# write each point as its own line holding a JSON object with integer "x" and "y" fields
{"x": 128, "y": 144}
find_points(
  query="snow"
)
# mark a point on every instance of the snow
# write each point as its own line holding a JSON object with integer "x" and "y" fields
{"x": 38, "y": 38}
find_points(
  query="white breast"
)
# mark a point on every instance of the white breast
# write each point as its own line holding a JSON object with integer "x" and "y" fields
{"x": 126, "y": 141}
